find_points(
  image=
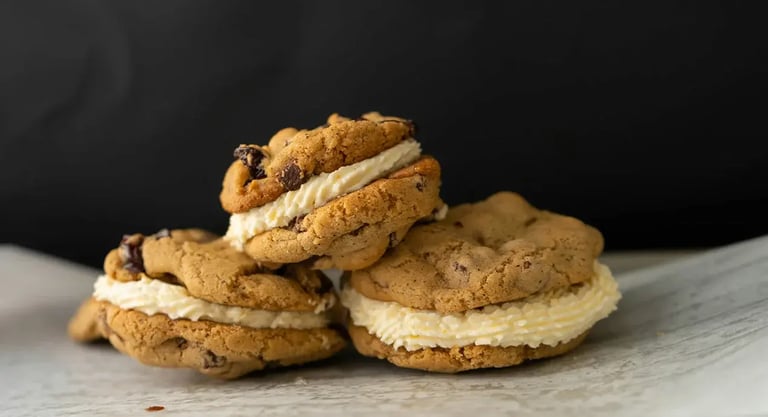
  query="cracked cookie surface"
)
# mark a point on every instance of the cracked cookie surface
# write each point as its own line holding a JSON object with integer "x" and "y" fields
{"x": 262, "y": 173}
{"x": 211, "y": 270}
{"x": 498, "y": 250}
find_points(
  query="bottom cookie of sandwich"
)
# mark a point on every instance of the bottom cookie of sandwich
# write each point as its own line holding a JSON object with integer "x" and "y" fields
{"x": 218, "y": 350}
{"x": 456, "y": 359}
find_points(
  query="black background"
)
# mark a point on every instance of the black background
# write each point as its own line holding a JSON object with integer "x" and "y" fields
{"x": 643, "y": 119}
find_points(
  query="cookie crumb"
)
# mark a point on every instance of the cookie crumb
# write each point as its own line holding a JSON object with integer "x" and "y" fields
{"x": 300, "y": 381}
{"x": 153, "y": 408}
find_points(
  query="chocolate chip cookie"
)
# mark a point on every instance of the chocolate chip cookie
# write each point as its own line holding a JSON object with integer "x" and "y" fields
{"x": 186, "y": 298}
{"x": 491, "y": 285}
{"x": 340, "y": 194}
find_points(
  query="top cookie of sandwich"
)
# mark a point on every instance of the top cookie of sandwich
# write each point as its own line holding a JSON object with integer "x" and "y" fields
{"x": 211, "y": 270}
{"x": 494, "y": 251}
{"x": 260, "y": 174}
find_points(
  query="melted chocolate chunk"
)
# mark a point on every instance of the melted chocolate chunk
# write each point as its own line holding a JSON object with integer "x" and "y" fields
{"x": 295, "y": 223}
{"x": 181, "y": 343}
{"x": 459, "y": 268}
{"x": 252, "y": 157}
{"x": 212, "y": 360}
{"x": 420, "y": 186}
{"x": 458, "y": 224}
{"x": 130, "y": 253}
{"x": 291, "y": 177}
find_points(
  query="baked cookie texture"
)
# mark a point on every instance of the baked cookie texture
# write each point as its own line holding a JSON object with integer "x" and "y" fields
{"x": 353, "y": 231}
{"x": 210, "y": 270}
{"x": 217, "y": 350}
{"x": 493, "y": 259}
{"x": 494, "y": 251}
{"x": 292, "y": 156}
{"x": 456, "y": 359}
{"x": 353, "y": 228}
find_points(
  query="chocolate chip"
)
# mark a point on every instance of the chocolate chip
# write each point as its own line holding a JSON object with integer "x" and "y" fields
{"x": 252, "y": 157}
{"x": 154, "y": 408}
{"x": 459, "y": 268}
{"x": 458, "y": 224}
{"x": 130, "y": 253}
{"x": 181, "y": 343}
{"x": 420, "y": 186}
{"x": 212, "y": 360}
{"x": 295, "y": 223}
{"x": 291, "y": 177}
{"x": 392, "y": 239}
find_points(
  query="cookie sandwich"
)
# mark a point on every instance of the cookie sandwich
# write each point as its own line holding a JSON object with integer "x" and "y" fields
{"x": 339, "y": 194}
{"x": 492, "y": 285}
{"x": 187, "y": 299}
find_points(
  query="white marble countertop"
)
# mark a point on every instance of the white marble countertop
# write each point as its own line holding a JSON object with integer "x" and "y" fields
{"x": 689, "y": 338}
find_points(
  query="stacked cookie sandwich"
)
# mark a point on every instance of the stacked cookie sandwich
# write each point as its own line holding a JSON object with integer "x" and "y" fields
{"x": 186, "y": 298}
{"x": 335, "y": 196}
{"x": 490, "y": 284}
{"x": 338, "y": 195}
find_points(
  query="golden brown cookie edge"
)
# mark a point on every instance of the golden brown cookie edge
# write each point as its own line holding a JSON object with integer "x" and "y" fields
{"x": 208, "y": 347}
{"x": 458, "y": 359}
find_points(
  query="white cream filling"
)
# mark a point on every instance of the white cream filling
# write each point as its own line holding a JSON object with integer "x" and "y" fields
{"x": 319, "y": 190}
{"x": 549, "y": 318}
{"x": 152, "y": 296}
